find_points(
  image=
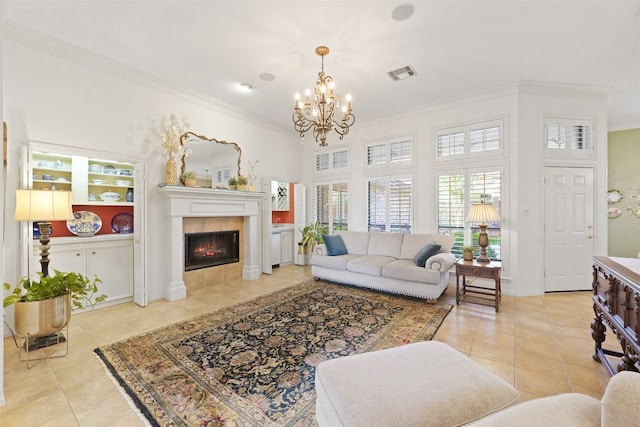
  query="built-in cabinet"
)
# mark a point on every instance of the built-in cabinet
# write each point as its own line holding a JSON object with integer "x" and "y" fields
{"x": 108, "y": 257}
{"x": 279, "y": 196}
{"x": 103, "y": 187}
{"x": 92, "y": 180}
{"x": 282, "y": 247}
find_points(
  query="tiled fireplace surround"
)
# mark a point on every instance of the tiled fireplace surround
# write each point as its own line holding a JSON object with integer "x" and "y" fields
{"x": 205, "y": 209}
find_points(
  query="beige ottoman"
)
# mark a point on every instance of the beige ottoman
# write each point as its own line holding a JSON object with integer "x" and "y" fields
{"x": 420, "y": 384}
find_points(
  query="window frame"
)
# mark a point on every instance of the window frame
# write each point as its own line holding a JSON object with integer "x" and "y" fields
{"x": 388, "y": 225}
{"x": 330, "y": 153}
{"x": 466, "y": 146}
{"x": 330, "y": 212}
{"x": 567, "y": 152}
{"x": 387, "y": 143}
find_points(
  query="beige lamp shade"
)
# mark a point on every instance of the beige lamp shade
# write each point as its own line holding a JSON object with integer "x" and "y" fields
{"x": 43, "y": 205}
{"x": 482, "y": 213}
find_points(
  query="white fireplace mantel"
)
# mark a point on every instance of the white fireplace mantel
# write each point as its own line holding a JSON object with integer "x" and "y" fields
{"x": 189, "y": 202}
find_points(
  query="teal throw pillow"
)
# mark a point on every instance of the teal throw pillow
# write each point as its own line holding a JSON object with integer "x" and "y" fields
{"x": 425, "y": 253}
{"x": 335, "y": 245}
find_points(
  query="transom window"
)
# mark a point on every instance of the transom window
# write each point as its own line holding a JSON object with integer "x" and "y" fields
{"x": 390, "y": 153}
{"x": 469, "y": 140}
{"x": 331, "y": 160}
{"x": 568, "y": 136}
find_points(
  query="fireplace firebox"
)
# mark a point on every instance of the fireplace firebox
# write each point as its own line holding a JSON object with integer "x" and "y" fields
{"x": 209, "y": 249}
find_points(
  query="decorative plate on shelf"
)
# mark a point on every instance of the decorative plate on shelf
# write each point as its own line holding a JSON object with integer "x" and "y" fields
{"x": 614, "y": 196}
{"x": 614, "y": 212}
{"x": 122, "y": 223}
{"x": 84, "y": 224}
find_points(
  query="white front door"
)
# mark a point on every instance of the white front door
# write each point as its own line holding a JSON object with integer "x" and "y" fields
{"x": 569, "y": 233}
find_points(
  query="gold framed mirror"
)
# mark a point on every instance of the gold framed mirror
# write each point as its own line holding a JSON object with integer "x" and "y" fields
{"x": 212, "y": 160}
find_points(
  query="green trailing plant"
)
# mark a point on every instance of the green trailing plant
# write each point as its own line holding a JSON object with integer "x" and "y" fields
{"x": 312, "y": 234}
{"x": 83, "y": 290}
{"x": 242, "y": 180}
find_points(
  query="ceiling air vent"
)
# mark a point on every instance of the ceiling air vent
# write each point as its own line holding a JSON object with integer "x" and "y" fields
{"x": 402, "y": 73}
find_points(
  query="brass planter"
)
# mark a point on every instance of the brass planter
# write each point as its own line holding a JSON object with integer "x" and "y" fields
{"x": 42, "y": 318}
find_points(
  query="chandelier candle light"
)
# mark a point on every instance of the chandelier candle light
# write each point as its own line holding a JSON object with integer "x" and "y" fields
{"x": 317, "y": 114}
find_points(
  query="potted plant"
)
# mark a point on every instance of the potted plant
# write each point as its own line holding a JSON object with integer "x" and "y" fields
{"x": 189, "y": 179}
{"x": 311, "y": 236}
{"x": 242, "y": 182}
{"x": 467, "y": 253}
{"x": 43, "y": 306}
{"x": 233, "y": 183}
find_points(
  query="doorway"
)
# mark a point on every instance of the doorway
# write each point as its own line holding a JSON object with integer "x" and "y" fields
{"x": 569, "y": 234}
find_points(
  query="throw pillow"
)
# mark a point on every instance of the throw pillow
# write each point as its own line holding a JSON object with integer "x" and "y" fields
{"x": 335, "y": 245}
{"x": 425, "y": 253}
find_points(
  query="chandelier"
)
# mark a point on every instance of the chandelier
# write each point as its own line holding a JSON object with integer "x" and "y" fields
{"x": 317, "y": 114}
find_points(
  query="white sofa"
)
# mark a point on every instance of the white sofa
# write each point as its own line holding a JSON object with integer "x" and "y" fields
{"x": 385, "y": 261}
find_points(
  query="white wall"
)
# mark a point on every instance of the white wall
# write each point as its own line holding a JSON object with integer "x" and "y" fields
{"x": 523, "y": 106}
{"x": 59, "y": 95}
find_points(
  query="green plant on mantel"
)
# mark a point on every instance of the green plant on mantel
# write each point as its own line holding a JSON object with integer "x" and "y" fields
{"x": 189, "y": 175}
{"x": 242, "y": 180}
{"x": 83, "y": 290}
{"x": 233, "y": 181}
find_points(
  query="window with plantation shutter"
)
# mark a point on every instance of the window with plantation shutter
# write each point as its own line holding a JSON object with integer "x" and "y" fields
{"x": 377, "y": 154}
{"x": 457, "y": 192}
{"x": 390, "y": 205}
{"x": 470, "y": 140}
{"x": 568, "y": 136}
{"x": 332, "y": 205}
{"x": 390, "y": 153}
{"x": 329, "y": 161}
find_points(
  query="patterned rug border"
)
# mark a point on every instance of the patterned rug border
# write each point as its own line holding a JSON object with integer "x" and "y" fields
{"x": 242, "y": 308}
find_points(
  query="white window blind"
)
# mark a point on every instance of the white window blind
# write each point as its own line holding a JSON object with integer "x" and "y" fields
{"x": 568, "y": 134}
{"x": 400, "y": 151}
{"x": 322, "y": 162}
{"x": 390, "y": 205}
{"x": 377, "y": 154}
{"x": 340, "y": 159}
{"x": 332, "y": 205}
{"x": 456, "y": 194}
{"x": 473, "y": 139}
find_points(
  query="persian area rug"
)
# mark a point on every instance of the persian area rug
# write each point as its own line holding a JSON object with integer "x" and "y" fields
{"x": 253, "y": 364}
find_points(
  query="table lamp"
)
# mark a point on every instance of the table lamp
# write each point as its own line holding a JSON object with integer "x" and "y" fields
{"x": 481, "y": 214}
{"x": 43, "y": 206}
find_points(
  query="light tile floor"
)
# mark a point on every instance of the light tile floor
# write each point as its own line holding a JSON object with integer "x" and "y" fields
{"x": 542, "y": 345}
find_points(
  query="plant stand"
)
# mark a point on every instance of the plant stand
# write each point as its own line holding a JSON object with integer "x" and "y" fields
{"x": 50, "y": 345}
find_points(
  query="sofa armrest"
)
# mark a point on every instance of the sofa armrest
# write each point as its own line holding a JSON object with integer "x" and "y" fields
{"x": 321, "y": 249}
{"x": 442, "y": 262}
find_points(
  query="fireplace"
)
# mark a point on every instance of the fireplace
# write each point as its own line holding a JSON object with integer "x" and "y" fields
{"x": 209, "y": 249}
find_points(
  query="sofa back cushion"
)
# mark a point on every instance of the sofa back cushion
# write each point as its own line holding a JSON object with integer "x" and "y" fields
{"x": 385, "y": 244}
{"x": 356, "y": 242}
{"x": 412, "y": 243}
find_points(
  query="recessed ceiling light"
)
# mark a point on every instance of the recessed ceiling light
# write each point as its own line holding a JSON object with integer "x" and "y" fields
{"x": 403, "y": 11}
{"x": 267, "y": 77}
{"x": 246, "y": 87}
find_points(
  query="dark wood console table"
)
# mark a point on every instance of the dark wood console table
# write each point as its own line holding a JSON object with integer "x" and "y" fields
{"x": 616, "y": 304}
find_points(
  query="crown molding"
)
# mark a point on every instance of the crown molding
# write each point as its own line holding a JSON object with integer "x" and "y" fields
{"x": 42, "y": 42}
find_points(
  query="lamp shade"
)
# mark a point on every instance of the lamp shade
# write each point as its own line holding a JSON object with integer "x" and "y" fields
{"x": 482, "y": 213}
{"x": 43, "y": 205}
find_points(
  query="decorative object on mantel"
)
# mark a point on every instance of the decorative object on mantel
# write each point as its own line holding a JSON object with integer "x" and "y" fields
{"x": 252, "y": 177}
{"x": 189, "y": 179}
{"x": 233, "y": 183}
{"x": 200, "y": 149}
{"x": 170, "y": 132}
{"x": 318, "y": 114}
{"x": 242, "y": 183}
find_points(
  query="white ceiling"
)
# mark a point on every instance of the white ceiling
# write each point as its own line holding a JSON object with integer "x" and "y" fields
{"x": 456, "y": 47}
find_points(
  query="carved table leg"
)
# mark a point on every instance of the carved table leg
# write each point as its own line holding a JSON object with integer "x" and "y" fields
{"x": 598, "y": 334}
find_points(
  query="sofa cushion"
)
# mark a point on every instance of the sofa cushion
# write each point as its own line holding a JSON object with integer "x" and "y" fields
{"x": 412, "y": 243}
{"x": 369, "y": 264}
{"x": 338, "y": 262}
{"x": 335, "y": 245}
{"x": 356, "y": 242}
{"x": 569, "y": 409}
{"x": 385, "y": 244}
{"x": 429, "y": 250}
{"x": 405, "y": 269}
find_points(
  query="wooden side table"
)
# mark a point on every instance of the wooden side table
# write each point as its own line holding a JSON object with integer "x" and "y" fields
{"x": 478, "y": 294}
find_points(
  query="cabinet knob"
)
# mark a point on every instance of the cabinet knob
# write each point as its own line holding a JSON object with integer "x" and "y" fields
{"x": 78, "y": 254}
{"x": 93, "y": 252}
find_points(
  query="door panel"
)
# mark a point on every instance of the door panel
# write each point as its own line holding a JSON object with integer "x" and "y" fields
{"x": 569, "y": 233}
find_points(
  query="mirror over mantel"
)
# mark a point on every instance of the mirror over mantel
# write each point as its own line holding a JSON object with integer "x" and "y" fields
{"x": 214, "y": 161}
